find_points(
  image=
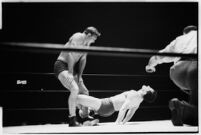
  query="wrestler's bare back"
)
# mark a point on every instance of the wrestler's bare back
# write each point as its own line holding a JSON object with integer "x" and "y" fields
{"x": 77, "y": 40}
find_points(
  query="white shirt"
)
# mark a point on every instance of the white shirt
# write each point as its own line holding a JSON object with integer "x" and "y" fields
{"x": 132, "y": 101}
{"x": 131, "y": 98}
{"x": 185, "y": 44}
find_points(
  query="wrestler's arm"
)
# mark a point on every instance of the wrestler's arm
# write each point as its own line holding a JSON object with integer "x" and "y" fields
{"x": 122, "y": 112}
{"x": 129, "y": 114}
{"x": 156, "y": 60}
{"x": 82, "y": 65}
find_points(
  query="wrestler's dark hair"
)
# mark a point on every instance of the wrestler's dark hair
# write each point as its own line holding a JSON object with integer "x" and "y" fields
{"x": 92, "y": 30}
{"x": 150, "y": 96}
{"x": 187, "y": 29}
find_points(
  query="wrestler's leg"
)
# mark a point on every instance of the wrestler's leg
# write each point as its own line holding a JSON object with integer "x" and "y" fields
{"x": 178, "y": 74}
{"x": 184, "y": 74}
{"x": 89, "y": 101}
{"x": 92, "y": 103}
{"x": 68, "y": 82}
{"x": 192, "y": 82}
{"x": 83, "y": 90}
{"x": 192, "y": 107}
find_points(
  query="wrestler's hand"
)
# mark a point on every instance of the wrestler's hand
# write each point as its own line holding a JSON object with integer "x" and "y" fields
{"x": 80, "y": 80}
{"x": 83, "y": 88}
{"x": 81, "y": 85}
{"x": 150, "y": 69}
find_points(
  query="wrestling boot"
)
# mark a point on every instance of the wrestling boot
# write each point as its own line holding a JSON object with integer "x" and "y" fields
{"x": 73, "y": 122}
{"x": 176, "y": 107}
{"x": 190, "y": 114}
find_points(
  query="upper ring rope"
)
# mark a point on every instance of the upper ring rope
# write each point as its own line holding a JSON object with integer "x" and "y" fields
{"x": 105, "y": 51}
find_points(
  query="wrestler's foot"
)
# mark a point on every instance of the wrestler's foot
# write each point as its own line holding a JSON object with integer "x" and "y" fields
{"x": 176, "y": 111}
{"x": 73, "y": 122}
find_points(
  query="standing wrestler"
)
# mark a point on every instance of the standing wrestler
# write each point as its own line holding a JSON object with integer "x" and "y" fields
{"x": 69, "y": 68}
{"x": 184, "y": 74}
{"x": 126, "y": 103}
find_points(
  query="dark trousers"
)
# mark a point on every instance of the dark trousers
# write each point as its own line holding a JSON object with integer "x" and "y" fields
{"x": 185, "y": 75}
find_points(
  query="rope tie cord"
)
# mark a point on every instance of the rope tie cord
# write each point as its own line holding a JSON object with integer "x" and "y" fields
{"x": 93, "y": 50}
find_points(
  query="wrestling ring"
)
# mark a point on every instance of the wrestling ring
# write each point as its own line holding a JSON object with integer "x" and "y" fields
{"x": 147, "y": 125}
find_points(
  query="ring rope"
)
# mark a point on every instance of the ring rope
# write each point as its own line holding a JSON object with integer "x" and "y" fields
{"x": 65, "y": 108}
{"x": 91, "y": 74}
{"x": 35, "y": 109}
{"x": 66, "y": 91}
{"x": 105, "y": 51}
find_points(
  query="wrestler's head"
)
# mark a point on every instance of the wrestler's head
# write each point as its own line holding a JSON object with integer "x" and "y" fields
{"x": 189, "y": 28}
{"x": 92, "y": 33}
{"x": 149, "y": 94}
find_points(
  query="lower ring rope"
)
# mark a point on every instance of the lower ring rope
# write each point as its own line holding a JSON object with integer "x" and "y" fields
{"x": 106, "y": 51}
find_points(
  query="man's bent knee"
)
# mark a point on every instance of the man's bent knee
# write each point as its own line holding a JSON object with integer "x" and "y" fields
{"x": 175, "y": 74}
{"x": 66, "y": 79}
{"x": 192, "y": 76}
{"x": 178, "y": 76}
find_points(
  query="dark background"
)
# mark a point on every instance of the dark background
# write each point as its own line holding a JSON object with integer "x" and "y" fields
{"x": 122, "y": 24}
